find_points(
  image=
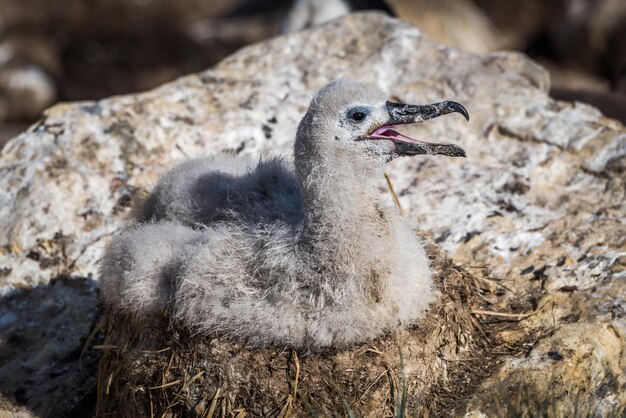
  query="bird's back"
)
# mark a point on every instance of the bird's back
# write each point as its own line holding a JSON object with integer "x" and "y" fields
{"x": 210, "y": 190}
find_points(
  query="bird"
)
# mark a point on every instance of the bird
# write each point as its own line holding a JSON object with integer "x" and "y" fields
{"x": 301, "y": 252}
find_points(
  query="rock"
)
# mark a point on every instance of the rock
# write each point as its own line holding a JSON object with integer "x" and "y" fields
{"x": 42, "y": 333}
{"x": 456, "y": 23}
{"x": 590, "y": 34}
{"x": 27, "y": 67}
{"x": 611, "y": 104}
{"x": 582, "y": 35}
{"x": 110, "y": 16}
{"x": 535, "y": 213}
{"x": 520, "y": 23}
{"x": 8, "y": 131}
{"x": 24, "y": 92}
{"x": 72, "y": 50}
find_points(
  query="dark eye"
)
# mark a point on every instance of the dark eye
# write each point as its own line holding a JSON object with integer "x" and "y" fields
{"x": 358, "y": 116}
{"x": 358, "y": 113}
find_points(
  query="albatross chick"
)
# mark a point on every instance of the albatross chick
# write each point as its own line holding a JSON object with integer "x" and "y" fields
{"x": 310, "y": 256}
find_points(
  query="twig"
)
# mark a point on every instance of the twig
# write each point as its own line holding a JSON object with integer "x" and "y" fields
{"x": 166, "y": 385}
{"x": 99, "y": 327}
{"x": 291, "y": 398}
{"x": 372, "y": 350}
{"x": 394, "y": 195}
{"x": 190, "y": 381}
{"x": 371, "y": 384}
{"x": 106, "y": 347}
{"x": 156, "y": 351}
{"x": 517, "y": 317}
{"x": 213, "y": 404}
{"x": 462, "y": 359}
{"x": 492, "y": 281}
{"x": 294, "y": 357}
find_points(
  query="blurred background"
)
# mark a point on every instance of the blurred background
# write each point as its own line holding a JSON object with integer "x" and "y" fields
{"x": 66, "y": 50}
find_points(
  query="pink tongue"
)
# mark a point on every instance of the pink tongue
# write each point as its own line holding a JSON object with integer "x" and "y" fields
{"x": 385, "y": 133}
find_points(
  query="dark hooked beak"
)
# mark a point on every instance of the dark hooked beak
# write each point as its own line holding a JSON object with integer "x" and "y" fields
{"x": 401, "y": 114}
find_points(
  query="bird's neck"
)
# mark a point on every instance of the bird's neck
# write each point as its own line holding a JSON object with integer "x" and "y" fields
{"x": 343, "y": 214}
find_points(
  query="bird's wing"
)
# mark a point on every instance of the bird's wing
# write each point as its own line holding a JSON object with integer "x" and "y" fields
{"x": 224, "y": 188}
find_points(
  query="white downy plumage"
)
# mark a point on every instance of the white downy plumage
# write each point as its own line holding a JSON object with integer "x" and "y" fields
{"x": 310, "y": 256}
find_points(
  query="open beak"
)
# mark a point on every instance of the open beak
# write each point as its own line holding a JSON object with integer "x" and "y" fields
{"x": 401, "y": 114}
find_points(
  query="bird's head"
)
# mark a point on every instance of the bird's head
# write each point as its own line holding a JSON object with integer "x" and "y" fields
{"x": 353, "y": 116}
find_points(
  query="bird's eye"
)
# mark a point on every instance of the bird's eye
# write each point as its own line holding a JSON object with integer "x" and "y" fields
{"x": 358, "y": 116}
{"x": 358, "y": 113}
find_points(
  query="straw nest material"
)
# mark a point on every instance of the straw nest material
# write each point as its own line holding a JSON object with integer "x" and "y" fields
{"x": 163, "y": 370}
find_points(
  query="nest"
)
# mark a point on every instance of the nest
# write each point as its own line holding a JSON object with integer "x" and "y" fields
{"x": 163, "y": 370}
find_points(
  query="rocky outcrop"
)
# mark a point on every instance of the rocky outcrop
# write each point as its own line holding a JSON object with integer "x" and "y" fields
{"x": 42, "y": 334}
{"x": 460, "y": 24}
{"x": 75, "y": 50}
{"x": 535, "y": 213}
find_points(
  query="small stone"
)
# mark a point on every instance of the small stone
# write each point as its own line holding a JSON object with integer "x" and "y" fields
{"x": 555, "y": 355}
